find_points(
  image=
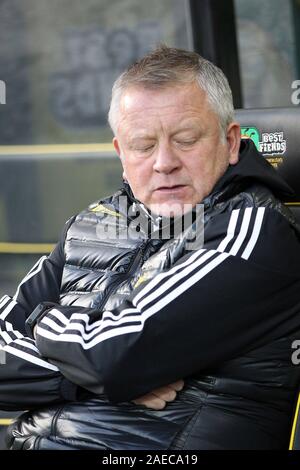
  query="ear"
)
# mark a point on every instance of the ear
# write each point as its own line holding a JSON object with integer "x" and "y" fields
{"x": 118, "y": 150}
{"x": 117, "y": 146}
{"x": 233, "y": 139}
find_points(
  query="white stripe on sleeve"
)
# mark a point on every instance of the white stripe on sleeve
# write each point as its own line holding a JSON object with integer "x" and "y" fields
{"x": 184, "y": 275}
{"x": 256, "y": 231}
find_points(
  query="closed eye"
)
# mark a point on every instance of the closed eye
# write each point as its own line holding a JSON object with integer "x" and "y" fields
{"x": 186, "y": 142}
{"x": 144, "y": 149}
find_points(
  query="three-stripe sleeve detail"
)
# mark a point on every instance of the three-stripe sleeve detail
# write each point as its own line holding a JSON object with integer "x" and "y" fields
{"x": 34, "y": 270}
{"x": 14, "y": 342}
{"x": 22, "y": 347}
{"x": 242, "y": 234}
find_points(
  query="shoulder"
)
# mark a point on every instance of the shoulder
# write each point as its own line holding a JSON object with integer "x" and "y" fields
{"x": 108, "y": 205}
{"x": 256, "y": 196}
{"x": 256, "y": 222}
{"x": 84, "y": 225}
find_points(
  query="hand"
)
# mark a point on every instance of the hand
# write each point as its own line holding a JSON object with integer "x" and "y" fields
{"x": 158, "y": 398}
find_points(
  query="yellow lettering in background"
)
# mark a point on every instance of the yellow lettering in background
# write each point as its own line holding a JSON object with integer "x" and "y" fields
{"x": 275, "y": 161}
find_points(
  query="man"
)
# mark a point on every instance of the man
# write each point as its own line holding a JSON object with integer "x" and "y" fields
{"x": 120, "y": 321}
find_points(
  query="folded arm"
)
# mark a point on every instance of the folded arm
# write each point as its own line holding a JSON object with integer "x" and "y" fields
{"x": 236, "y": 293}
{"x": 27, "y": 379}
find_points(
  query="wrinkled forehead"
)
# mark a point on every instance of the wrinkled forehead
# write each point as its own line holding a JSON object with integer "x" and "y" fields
{"x": 180, "y": 105}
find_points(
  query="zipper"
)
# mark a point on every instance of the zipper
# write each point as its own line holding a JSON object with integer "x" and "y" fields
{"x": 100, "y": 242}
{"x": 135, "y": 264}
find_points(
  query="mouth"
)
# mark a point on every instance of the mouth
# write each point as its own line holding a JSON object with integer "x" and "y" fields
{"x": 171, "y": 189}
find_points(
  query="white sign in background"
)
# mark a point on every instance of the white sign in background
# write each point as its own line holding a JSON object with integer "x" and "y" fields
{"x": 295, "y": 97}
{"x": 2, "y": 92}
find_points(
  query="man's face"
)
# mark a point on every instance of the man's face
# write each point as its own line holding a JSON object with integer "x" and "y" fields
{"x": 171, "y": 148}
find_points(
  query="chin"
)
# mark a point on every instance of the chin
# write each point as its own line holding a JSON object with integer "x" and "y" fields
{"x": 170, "y": 209}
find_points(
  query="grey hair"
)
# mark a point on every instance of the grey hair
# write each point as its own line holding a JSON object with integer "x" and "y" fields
{"x": 167, "y": 66}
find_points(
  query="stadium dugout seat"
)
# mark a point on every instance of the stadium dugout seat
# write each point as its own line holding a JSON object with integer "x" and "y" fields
{"x": 276, "y": 133}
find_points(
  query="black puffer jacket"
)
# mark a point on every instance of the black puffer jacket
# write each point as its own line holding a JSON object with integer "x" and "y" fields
{"x": 131, "y": 314}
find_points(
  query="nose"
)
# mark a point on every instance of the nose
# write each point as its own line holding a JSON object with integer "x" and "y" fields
{"x": 166, "y": 160}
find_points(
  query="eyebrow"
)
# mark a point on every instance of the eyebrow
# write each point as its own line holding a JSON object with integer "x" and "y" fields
{"x": 185, "y": 129}
{"x": 141, "y": 137}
